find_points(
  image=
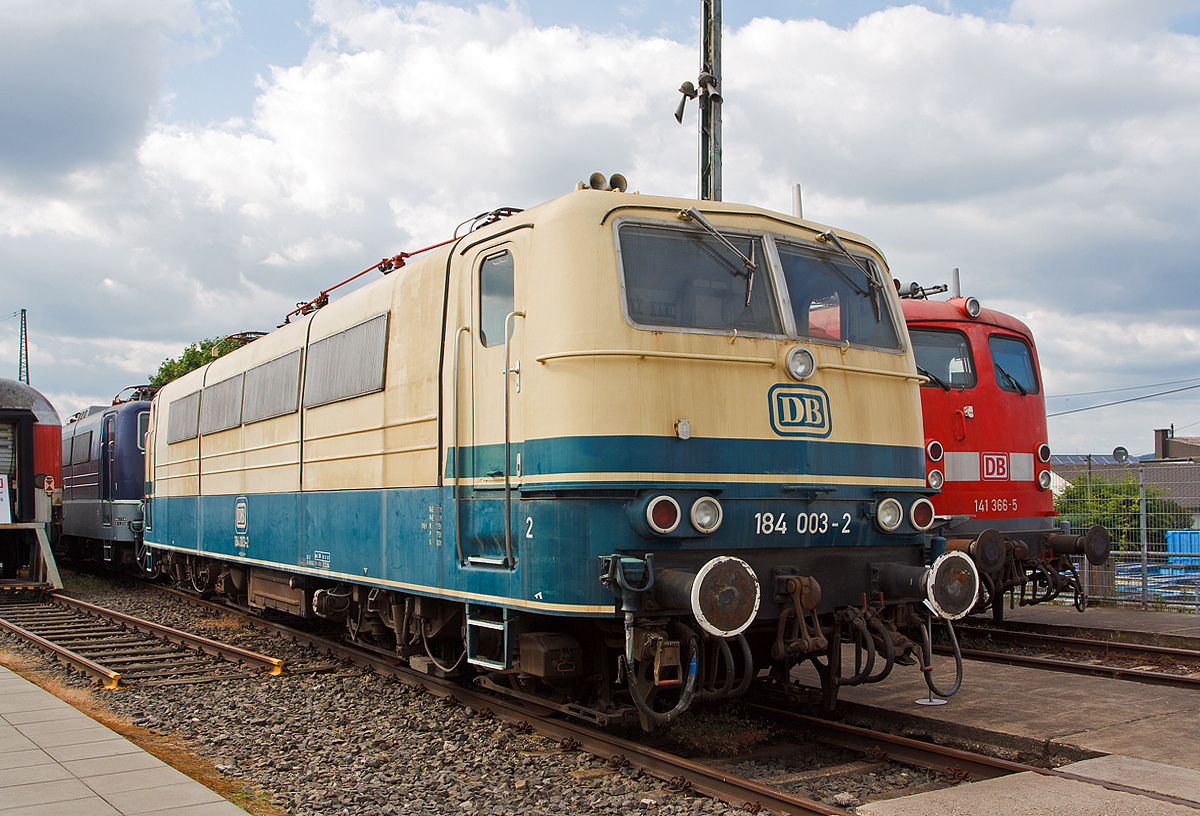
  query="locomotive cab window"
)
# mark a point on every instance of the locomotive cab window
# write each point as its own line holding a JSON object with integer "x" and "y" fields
{"x": 834, "y": 299}
{"x": 1012, "y": 360}
{"x": 143, "y": 427}
{"x": 495, "y": 297}
{"x": 944, "y": 357}
{"x": 688, "y": 279}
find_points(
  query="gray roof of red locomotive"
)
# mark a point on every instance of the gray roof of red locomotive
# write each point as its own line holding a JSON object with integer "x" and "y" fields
{"x": 16, "y": 394}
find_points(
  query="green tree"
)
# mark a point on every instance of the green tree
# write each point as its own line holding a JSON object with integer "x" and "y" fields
{"x": 1116, "y": 505}
{"x": 198, "y": 354}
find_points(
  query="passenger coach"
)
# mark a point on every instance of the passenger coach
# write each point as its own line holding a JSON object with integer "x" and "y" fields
{"x": 610, "y": 451}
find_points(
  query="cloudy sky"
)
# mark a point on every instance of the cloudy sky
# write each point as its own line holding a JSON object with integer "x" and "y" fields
{"x": 178, "y": 169}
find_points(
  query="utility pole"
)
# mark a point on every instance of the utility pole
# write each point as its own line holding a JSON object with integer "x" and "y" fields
{"x": 23, "y": 365}
{"x": 708, "y": 89}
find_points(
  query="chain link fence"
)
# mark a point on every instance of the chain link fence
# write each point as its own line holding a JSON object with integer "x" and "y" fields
{"x": 1151, "y": 509}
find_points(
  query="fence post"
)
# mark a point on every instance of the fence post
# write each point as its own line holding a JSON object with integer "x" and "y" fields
{"x": 1091, "y": 511}
{"x": 1142, "y": 502}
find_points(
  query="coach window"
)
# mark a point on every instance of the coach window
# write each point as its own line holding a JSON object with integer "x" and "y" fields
{"x": 495, "y": 297}
{"x": 1013, "y": 361}
{"x": 944, "y": 357}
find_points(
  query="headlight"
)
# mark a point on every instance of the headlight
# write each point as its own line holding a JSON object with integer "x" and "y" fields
{"x": 935, "y": 479}
{"x": 1043, "y": 453}
{"x": 921, "y": 514}
{"x": 800, "y": 363}
{"x": 935, "y": 451}
{"x": 706, "y": 514}
{"x": 888, "y": 514}
{"x": 662, "y": 514}
{"x": 1044, "y": 480}
{"x": 972, "y": 307}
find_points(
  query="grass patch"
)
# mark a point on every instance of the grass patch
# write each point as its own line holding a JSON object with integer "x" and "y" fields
{"x": 82, "y": 582}
{"x": 717, "y": 734}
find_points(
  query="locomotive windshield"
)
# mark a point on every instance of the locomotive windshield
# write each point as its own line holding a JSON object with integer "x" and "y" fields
{"x": 1013, "y": 360}
{"x": 688, "y": 279}
{"x": 833, "y": 299}
{"x": 944, "y": 357}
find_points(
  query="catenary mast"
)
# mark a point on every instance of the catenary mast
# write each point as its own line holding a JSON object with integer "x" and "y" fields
{"x": 708, "y": 89}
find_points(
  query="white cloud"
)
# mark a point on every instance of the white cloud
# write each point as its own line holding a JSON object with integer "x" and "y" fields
{"x": 1051, "y": 156}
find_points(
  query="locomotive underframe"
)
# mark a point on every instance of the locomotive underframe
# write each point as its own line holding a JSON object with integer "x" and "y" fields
{"x": 1025, "y": 562}
{"x": 540, "y": 657}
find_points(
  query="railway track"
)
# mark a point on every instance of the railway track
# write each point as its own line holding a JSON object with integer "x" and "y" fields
{"x": 120, "y": 650}
{"x": 719, "y": 778}
{"x": 725, "y": 778}
{"x": 1140, "y": 662}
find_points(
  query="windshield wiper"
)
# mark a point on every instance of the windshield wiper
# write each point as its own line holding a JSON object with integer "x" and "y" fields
{"x": 1012, "y": 381}
{"x": 936, "y": 379}
{"x": 829, "y": 237}
{"x": 692, "y": 214}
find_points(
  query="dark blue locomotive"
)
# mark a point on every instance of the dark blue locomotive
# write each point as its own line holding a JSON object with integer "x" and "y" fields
{"x": 103, "y": 459}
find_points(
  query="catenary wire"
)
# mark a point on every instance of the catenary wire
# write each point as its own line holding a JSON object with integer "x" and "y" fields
{"x": 1122, "y": 402}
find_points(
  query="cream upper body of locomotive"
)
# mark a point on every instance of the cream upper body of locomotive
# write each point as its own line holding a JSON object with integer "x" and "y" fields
{"x": 429, "y": 391}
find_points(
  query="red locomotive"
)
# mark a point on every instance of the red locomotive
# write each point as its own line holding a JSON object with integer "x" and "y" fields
{"x": 986, "y": 450}
{"x": 30, "y": 487}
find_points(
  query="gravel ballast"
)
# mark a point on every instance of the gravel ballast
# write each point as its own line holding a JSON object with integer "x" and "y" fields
{"x": 351, "y": 743}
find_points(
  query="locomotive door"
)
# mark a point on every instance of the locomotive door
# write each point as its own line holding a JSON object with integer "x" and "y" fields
{"x": 493, "y": 437}
{"x": 108, "y": 468}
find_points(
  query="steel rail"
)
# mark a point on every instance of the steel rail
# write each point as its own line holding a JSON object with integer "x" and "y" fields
{"x": 274, "y": 666}
{"x": 109, "y": 678}
{"x": 934, "y": 757}
{"x": 1073, "y": 667}
{"x": 1037, "y": 639}
{"x": 900, "y": 749}
{"x": 1100, "y": 647}
{"x": 681, "y": 773}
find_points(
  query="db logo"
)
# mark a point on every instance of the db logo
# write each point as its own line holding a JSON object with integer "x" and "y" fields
{"x": 799, "y": 410}
{"x": 239, "y": 515}
{"x": 995, "y": 466}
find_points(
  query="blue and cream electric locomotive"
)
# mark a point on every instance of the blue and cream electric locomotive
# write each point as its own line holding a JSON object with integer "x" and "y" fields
{"x": 616, "y": 452}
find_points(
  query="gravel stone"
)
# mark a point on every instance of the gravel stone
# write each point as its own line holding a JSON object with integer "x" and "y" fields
{"x": 348, "y": 743}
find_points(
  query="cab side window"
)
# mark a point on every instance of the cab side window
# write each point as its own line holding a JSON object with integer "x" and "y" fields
{"x": 495, "y": 297}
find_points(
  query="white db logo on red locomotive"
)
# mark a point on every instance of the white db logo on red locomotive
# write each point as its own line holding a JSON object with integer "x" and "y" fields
{"x": 995, "y": 466}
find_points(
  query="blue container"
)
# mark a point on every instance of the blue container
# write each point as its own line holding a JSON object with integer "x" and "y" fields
{"x": 1183, "y": 547}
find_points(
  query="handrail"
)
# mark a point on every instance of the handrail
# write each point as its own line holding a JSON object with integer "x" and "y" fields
{"x": 677, "y": 355}
{"x": 903, "y": 375}
{"x": 457, "y": 451}
{"x": 508, "y": 435}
